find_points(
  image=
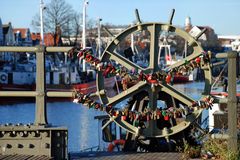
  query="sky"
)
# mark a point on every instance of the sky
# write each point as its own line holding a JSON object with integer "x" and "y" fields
{"x": 222, "y": 15}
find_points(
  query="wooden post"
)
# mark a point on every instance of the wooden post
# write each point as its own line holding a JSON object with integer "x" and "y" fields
{"x": 232, "y": 103}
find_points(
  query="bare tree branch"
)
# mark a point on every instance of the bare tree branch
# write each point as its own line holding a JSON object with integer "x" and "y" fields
{"x": 58, "y": 13}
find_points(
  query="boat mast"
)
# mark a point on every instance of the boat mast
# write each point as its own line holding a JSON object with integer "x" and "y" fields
{"x": 41, "y": 20}
{"x": 85, "y": 3}
{"x": 99, "y": 37}
{"x": 132, "y": 40}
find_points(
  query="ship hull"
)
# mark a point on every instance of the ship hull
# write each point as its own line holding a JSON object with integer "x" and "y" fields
{"x": 180, "y": 79}
{"x": 84, "y": 88}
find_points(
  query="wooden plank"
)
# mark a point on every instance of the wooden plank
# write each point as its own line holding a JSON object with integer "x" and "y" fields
{"x": 6, "y": 157}
{"x": 132, "y": 156}
{"x": 24, "y": 157}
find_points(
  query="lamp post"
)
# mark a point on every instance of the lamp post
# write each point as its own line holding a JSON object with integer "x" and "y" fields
{"x": 99, "y": 37}
{"x": 41, "y": 20}
{"x": 85, "y": 3}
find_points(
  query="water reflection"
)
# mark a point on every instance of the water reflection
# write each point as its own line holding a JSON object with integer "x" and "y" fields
{"x": 79, "y": 120}
{"x": 17, "y": 113}
{"x": 193, "y": 90}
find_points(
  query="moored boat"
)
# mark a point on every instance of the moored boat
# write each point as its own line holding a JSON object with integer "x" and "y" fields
{"x": 218, "y": 113}
{"x": 85, "y": 88}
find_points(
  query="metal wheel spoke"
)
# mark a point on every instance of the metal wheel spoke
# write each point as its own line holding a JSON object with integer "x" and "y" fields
{"x": 123, "y": 61}
{"x": 130, "y": 128}
{"x": 153, "y": 96}
{"x": 121, "y": 123}
{"x": 177, "y": 94}
{"x": 180, "y": 63}
{"x": 140, "y": 86}
{"x": 153, "y": 62}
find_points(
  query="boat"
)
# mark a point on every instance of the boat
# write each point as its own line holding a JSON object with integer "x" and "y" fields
{"x": 166, "y": 59}
{"x": 218, "y": 113}
{"x": 21, "y": 77}
{"x": 85, "y": 88}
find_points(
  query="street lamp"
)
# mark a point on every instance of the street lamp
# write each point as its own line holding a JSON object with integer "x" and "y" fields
{"x": 85, "y": 3}
{"x": 41, "y": 19}
{"x": 99, "y": 37}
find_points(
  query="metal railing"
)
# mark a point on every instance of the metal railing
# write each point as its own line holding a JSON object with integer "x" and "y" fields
{"x": 41, "y": 93}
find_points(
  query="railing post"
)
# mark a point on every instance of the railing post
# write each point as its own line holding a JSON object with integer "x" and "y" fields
{"x": 232, "y": 103}
{"x": 231, "y": 100}
{"x": 40, "y": 111}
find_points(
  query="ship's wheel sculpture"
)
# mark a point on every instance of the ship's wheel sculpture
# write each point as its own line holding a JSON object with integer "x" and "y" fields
{"x": 142, "y": 118}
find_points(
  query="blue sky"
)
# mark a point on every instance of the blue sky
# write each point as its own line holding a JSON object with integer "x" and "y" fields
{"x": 222, "y": 15}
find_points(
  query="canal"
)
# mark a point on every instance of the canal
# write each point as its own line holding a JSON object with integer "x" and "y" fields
{"x": 82, "y": 128}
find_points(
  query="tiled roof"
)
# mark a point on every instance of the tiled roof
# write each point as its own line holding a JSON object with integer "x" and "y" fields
{"x": 209, "y": 29}
{"x": 23, "y": 31}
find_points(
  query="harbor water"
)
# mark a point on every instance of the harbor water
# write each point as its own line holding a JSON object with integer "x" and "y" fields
{"x": 82, "y": 128}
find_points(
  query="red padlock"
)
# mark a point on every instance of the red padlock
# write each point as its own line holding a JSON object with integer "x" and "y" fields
{"x": 107, "y": 71}
{"x": 89, "y": 58}
{"x": 168, "y": 78}
{"x": 166, "y": 118}
{"x": 198, "y": 60}
{"x": 124, "y": 118}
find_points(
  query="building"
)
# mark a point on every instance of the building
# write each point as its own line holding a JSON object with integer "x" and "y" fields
{"x": 230, "y": 42}
{"x": 8, "y": 35}
{"x": 22, "y": 36}
{"x": 50, "y": 39}
{"x": 1, "y": 33}
{"x": 8, "y": 40}
{"x": 208, "y": 40}
{"x": 188, "y": 24}
{"x": 36, "y": 38}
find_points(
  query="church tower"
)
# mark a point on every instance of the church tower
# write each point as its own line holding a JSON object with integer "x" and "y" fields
{"x": 188, "y": 24}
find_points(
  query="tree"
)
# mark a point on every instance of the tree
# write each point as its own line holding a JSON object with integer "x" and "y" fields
{"x": 73, "y": 29}
{"x": 58, "y": 14}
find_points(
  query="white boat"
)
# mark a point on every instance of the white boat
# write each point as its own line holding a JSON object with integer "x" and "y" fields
{"x": 166, "y": 59}
{"x": 218, "y": 113}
